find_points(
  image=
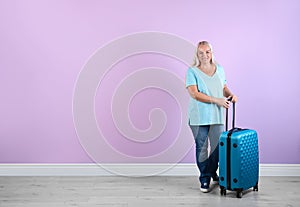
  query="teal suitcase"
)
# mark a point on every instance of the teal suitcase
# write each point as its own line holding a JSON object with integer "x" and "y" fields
{"x": 238, "y": 159}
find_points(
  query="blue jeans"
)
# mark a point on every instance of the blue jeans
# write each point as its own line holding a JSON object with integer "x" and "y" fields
{"x": 207, "y": 136}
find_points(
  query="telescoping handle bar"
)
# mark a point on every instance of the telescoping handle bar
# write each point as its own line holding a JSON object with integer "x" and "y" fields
{"x": 233, "y": 115}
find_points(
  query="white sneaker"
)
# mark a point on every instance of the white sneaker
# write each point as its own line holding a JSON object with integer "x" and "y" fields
{"x": 204, "y": 188}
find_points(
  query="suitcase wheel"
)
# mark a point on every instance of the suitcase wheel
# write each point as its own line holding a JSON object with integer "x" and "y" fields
{"x": 223, "y": 191}
{"x": 239, "y": 194}
{"x": 255, "y": 188}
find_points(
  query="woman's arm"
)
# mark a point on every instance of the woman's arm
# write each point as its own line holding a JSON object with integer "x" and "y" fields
{"x": 194, "y": 93}
{"x": 227, "y": 93}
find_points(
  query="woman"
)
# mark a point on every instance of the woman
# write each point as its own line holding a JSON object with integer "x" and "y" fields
{"x": 206, "y": 84}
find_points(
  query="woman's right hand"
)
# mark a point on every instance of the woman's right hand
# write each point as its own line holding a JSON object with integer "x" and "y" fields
{"x": 222, "y": 102}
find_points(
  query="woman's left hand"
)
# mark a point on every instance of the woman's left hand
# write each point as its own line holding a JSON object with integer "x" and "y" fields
{"x": 233, "y": 98}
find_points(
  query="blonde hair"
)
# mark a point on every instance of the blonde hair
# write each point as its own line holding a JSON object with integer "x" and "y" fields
{"x": 196, "y": 62}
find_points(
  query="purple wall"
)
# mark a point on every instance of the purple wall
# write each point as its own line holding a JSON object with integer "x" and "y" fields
{"x": 47, "y": 46}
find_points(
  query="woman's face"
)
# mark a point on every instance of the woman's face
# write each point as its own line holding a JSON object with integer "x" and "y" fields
{"x": 204, "y": 54}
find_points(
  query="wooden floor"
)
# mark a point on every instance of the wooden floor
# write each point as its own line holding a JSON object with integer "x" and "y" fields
{"x": 139, "y": 192}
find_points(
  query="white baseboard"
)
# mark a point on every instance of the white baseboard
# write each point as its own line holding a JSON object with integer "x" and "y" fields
{"x": 129, "y": 170}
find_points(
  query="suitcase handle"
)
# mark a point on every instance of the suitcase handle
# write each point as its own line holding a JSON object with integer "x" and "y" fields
{"x": 233, "y": 115}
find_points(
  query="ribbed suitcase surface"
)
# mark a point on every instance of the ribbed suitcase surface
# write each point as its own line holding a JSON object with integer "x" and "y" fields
{"x": 244, "y": 160}
{"x": 238, "y": 160}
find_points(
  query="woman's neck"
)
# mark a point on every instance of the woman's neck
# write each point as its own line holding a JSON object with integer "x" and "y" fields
{"x": 206, "y": 66}
{"x": 209, "y": 69}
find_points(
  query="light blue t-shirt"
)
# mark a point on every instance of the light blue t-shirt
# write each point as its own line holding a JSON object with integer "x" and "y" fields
{"x": 201, "y": 113}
